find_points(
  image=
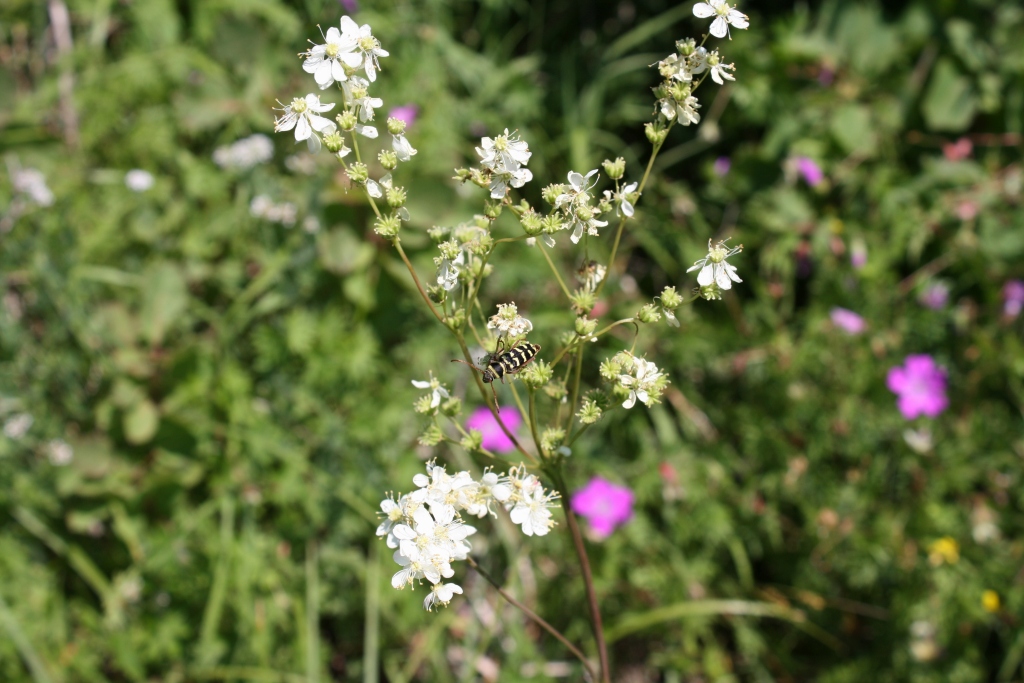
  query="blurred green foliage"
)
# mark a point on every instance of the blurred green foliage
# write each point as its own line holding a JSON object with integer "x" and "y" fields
{"x": 236, "y": 392}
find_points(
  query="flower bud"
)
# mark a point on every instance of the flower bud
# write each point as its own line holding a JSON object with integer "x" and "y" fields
{"x": 387, "y": 226}
{"x": 346, "y": 120}
{"x": 457, "y": 319}
{"x": 680, "y": 91}
{"x": 614, "y": 169}
{"x": 551, "y": 439}
{"x": 432, "y": 436}
{"x": 585, "y": 212}
{"x": 583, "y": 301}
{"x": 711, "y": 292}
{"x": 556, "y": 389}
{"x": 670, "y": 298}
{"x": 585, "y": 326}
{"x": 713, "y": 59}
{"x": 334, "y": 142}
{"x": 422, "y": 405}
{"x": 589, "y": 412}
{"x": 649, "y": 314}
{"x": 396, "y": 126}
{"x": 388, "y": 159}
{"x": 552, "y": 224}
{"x": 473, "y": 441}
{"x": 492, "y": 209}
{"x": 686, "y": 47}
{"x": 551, "y": 192}
{"x": 437, "y": 233}
{"x": 395, "y": 196}
{"x": 655, "y": 133}
{"x": 452, "y": 407}
{"x": 357, "y": 173}
{"x": 532, "y": 222}
{"x": 536, "y": 374}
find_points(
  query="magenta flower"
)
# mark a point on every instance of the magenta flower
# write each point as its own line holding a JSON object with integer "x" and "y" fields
{"x": 722, "y": 166}
{"x": 810, "y": 171}
{"x": 920, "y": 386}
{"x": 350, "y": 5}
{"x": 495, "y": 439}
{"x": 407, "y": 113}
{"x": 935, "y": 296}
{"x": 848, "y": 321}
{"x": 1013, "y": 298}
{"x": 604, "y": 504}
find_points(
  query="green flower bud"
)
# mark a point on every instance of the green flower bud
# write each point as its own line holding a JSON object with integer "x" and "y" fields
{"x": 346, "y": 120}
{"x": 551, "y": 439}
{"x": 686, "y": 47}
{"x": 551, "y": 224}
{"x": 473, "y": 441}
{"x": 614, "y": 169}
{"x": 492, "y": 209}
{"x": 589, "y": 412}
{"x": 437, "y": 233}
{"x": 334, "y": 142}
{"x": 711, "y": 292}
{"x": 436, "y": 293}
{"x": 536, "y": 374}
{"x": 422, "y": 405}
{"x": 680, "y": 91}
{"x": 450, "y": 249}
{"x": 532, "y": 222}
{"x": 567, "y": 337}
{"x": 556, "y": 389}
{"x": 457, "y": 319}
{"x": 462, "y": 174}
{"x": 396, "y": 126}
{"x": 395, "y": 196}
{"x": 583, "y": 301}
{"x": 387, "y": 226}
{"x": 551, "y": 192}
{"x": 452, "y": 407}
{"x": 611, "y": 368}
{"x": 649, "y": 314}
{"x": 670, "y": 298}
{"x": 481, "y": 222}
{"x": 432, "y": 436}
{"x": 655, "y": 133}
{"x": 388, "y": 159}
{"x": 585, "y": 212}
{"x": 585, "y": 326}
{"x": 713, "y": 59}
{"x": 357, "y": 173}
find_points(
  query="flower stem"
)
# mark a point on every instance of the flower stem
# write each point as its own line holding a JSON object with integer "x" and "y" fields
{"x": 561, "y": 282}
{"x": 536, "y": 618}
{"x": 575, "y": 389}
{"x": 416, "y": 279}
{"x": 533, "y": 423}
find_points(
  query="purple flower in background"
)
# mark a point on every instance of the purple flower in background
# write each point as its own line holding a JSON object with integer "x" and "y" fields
{"x": 848, "y": 321}
{"x": 722, "y": 165}
{"x": 810, "y": 171}
{"x": 495, "y": 439}
{"x": 407, "y": 113}
{"x": 920, "y": 386}
{"x": 859, "y": 254}
{"x": 604, "y": 504}
{"x": 1013, "y": 298}
{"x": 351, "y": 6}
{"x": 935, "y": 296}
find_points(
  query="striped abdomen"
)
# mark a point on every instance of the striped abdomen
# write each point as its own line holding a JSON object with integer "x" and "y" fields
{"x": 511, "y": 362}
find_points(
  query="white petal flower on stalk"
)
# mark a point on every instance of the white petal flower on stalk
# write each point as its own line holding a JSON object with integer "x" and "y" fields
{"x": 508, "y": 323}
{"x": 505, "y": 153}
{"x": 502, "y": 181}
{"x": 578, "y": 192}
{"x": 366, "y": 131}
{"x": 685, "y": 111}
{"x": 448, "y": 270}
{"x": 393, "y": 513}
{"x": 403, "y": 150}
{"x": 624, "y": 208}
{"x": 715, "y": 268}
{"x": 367, "y": 48}
{"x": 357, "y": 96}
{"x": 437, "y": 389}
{"x": 532, "y": 512}
{"x": 641, "y": 383}
{"x": 719, "y": 71}
{"x": 441, "y": 594}
{"x": 303, "y": 114}
{"x": 325, "y": 61}
{"x": 724, "y": 14}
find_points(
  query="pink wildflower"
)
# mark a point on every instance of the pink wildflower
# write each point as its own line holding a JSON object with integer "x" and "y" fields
{"x": 722, "y": 166}
{"x": 920, "y": 386}
{"x": 604, "y": 504}
{"x": 407, "y": 113}
{"x": 848, "y": 321}
{"x": 810, "y": 171}
{"x": 494, "y": 439}
{"x": 935, "y": 296}
{"x": 1013, "y": 298}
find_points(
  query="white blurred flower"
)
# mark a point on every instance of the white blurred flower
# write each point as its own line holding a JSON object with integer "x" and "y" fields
{"x": 357, "y": 96}
{"x": 59, "y": 452}
{"x": 32, "y": 182}
{"x": 138, "y": 180}
{"x": 685, "y": 111}
{"x": 441, "y": 594}
{"x": 724, "y": 16}
{"x": 17, "y": 426}
{"x": 303, "y": 115}
{"x": 245, "y": 153}
{"x": 326, "y": 61}
{"x": 714, "y": 268}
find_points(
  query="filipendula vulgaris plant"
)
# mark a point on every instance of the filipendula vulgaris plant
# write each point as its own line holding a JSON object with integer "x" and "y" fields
{"x": 427, "y": 526}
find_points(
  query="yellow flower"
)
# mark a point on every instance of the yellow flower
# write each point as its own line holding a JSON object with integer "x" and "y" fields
{"x": 945, "y": 550}
{"x": 990, "y": 601}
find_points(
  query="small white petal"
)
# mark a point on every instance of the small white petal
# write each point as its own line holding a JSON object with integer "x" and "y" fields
{"x": 703, "y": 10}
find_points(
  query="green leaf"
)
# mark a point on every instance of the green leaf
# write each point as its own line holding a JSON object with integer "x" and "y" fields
{"x": 141, "y": 422}
{"x": 950, "y": 102}
{"x": 852, "y": 128}
{"x": 164, "y": 299}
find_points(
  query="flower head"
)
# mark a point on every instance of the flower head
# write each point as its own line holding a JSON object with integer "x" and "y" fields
{"x": 32, "y": 182}
{"x": 715, "y": 268}
{"x": 935, "y": 296}
{"x": 604, "y": 504}
{"x": 138, "y": 180}
{"x": 327, "y": 62}
{"x": 574, "y": 203}
{"x": 494, "y": 438}
{"x": 245, "y": 153}
{"x": 920, "y": 386}
{"x": 437, "y": 390}
{"x": 847, "y": 320}
{"x": 809, "y": 171}
{"x": 724, "y": 16}
{"x": 508, "y": 323}
{"x": 505, "y": 156}
{"x": 944, "y": 551}
{"x": 366, "y": 49}
{"x": 642, "y": 379}
{"x": 303, "y": 114}
{"x": 17, "y": 426}
{"x": 1013, "y": 298}
{"x": 622, "y": 198}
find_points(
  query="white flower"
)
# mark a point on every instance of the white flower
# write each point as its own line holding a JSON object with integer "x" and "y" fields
{"x": 508, "y": 322}
{"x": 448, "y": 270}
{"x": 17, "y": 426}
{"x": 59, "y": 452}
{"x": 437, "y": 389}
{"x": 367, "y": 48}
{"x": 622, "y": 197}
{"x": 325, "y": 61}
{"x": 685, "y": 111}
{"x": 643, "y": 380}
{"x": 403, "y": 150}
{"x": 575, "y": 204}
{"x": 138, "y": 180}
{"x": 441, "y": 594}
{"x": 303, "y": 114}
{"x": 719, "y": 71}
{"x": 578, "y": 192}
{"x": 500, "y": 182}
{"x": 724, "y": 16}
{"x": 357, "y": 96}
{"x": 32, "y": 182}
{"x": 505, "y": 153}
{"x": 714, "y": 268}
{"x": 394, "y": 513}
{"x": 532, "y": 514}
{"x": 590, "y": 274}
{"x": 366, "y": 131}
{"x": 245, "y": 153}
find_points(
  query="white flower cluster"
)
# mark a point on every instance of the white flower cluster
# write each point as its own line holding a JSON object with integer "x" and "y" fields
{"x": 574, "y": 203}
{"x": 138, "y": 180}
{"x": 466, "y": 243}
{"x": 32, "y": 183}
{"x": 714, "y": 268}
{"x": 343, "y": 53}
{"x": 244, "y": 154}
{"x": 637, "y": 378}
{"x": 18, "y": 425}
{"x": 264, "y": 207}
{"x": 430, "y": 402}
{"x": 508, "y": 323}
{"x": 426, "y": 529}
{"x": 303, "y": 115}
{"x": 505, "y": 157}
{"x": 724, "y": 15}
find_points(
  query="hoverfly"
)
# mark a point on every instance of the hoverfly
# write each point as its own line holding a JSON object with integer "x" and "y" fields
{"x": 505, "y": 362}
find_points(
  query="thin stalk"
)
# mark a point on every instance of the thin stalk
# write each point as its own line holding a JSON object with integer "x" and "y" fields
{"x": 515, "y": 395}
{"x": 535, "y": 618}
{"x": 416, "y": 279}
{"x": 312, "y": 613}
{"x": 371, "y": 629}
{"x": 462, "y": 430}
{"x": 575, "y": 389}
{"x": 533, "y": 423}
{"x": 572, "y": 439}
{"x": 561, "y": 283}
